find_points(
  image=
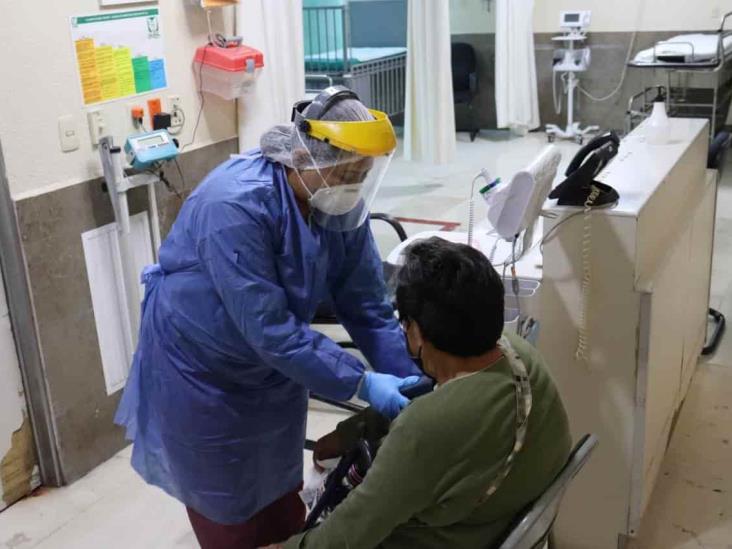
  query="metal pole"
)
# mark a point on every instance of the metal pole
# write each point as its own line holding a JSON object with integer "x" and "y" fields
{"x": 154, "y": 219}
{"x": 129, "y": 275}
{"x": 346, "y": 39}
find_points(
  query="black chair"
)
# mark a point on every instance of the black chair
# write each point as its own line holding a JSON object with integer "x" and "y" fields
{"x": 325, "y": 313}
{"x": 465, "y": 81}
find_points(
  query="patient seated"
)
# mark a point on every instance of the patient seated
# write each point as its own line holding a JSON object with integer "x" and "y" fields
{"x": 458, "y": 464}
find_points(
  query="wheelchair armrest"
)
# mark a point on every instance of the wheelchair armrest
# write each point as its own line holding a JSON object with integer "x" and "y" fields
{"x": 422, "y": 387}
{"x": 391, "y": 221}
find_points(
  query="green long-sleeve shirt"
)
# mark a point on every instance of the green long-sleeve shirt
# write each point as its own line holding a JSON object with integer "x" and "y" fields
{"x": 441, "y": 454}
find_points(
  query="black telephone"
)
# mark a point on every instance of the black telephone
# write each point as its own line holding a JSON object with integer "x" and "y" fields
{"x": 580, "y": 187}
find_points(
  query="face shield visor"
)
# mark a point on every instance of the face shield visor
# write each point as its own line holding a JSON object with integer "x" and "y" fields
{"x": 346, "y": 184}
{"x": 343, "y": 201}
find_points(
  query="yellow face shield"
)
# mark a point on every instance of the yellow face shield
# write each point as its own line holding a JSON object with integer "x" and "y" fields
{"x": 368, "y": 138}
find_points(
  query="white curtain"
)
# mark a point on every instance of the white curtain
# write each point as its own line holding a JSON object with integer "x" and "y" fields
{"x": 275, "y": 28}
{"x": 517, "y": 100}
{"x": 429, "y": 125}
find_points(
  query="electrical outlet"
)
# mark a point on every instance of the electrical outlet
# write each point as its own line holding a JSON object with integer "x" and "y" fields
{"x": 175, "y": 106}
{"x": 136, "y": 114}
{"x": 97, "y": 125}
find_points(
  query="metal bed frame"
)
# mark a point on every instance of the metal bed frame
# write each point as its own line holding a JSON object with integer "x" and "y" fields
{"x": 380, "y": 83}
{"x": 692, "y": 90}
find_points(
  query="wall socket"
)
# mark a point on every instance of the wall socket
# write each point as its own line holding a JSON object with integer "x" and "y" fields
{"x": 175, "y": 107}
{"x": 97, "y": 125}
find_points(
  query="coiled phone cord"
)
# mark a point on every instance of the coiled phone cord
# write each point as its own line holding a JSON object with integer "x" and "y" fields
{"x": 583, "y": 339}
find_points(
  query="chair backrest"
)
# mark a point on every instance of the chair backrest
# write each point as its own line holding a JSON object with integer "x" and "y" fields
{"x": 533, "y": 526}
{"x": 464, "y": 64}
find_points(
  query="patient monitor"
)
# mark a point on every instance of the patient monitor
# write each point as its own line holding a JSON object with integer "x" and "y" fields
{"x": 514, "y": 208}
{"x": 575, "y": 20}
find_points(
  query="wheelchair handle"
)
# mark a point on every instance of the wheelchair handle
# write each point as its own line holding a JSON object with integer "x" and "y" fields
{"x": 422, "y": 387}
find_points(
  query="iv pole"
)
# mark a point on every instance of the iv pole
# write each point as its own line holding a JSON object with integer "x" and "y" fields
{"x": 118, "y": 184}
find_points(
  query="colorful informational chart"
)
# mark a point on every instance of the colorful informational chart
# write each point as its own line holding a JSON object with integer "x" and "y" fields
{"x": 119, "y": 54}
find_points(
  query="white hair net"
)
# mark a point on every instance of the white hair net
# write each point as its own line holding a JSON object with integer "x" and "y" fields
{"x": 282, "y": 143}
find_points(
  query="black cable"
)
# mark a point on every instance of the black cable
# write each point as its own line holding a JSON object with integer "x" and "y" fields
{"x": 555, "y": 227}
{"x": 180, "y": 173}
{"x": 202, "y": 99}
{"x": 168, "y": 185}
{"x": 179, "y": 128}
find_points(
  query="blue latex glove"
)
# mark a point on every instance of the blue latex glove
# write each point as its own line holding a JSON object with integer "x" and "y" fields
{"x": 382, "y": 392}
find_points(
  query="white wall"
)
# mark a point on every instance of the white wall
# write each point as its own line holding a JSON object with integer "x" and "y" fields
{"x": 622, "y": 15}
{"x": 40, "y": 83}
{"x": 472, "y": 16}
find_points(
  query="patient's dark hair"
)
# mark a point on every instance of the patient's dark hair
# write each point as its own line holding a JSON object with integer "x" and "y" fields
{"x": 455, "y": 295}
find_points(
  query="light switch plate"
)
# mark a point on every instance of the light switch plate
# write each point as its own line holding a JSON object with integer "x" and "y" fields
{"x": 68, "y": 133}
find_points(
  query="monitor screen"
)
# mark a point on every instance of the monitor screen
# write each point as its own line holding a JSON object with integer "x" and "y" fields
{"x": 152, "y": 141}
{"x": 571, "y": 17}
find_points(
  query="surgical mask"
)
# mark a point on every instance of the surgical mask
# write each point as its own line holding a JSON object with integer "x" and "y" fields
{"x": 333, "y": 200}
{"x": 416, "y": 357}
{"x": 418, "y": 361}
{"x": 344, "y": 204}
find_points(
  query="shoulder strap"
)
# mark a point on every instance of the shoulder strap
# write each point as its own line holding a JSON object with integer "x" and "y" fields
{"x": 523, "y": 409}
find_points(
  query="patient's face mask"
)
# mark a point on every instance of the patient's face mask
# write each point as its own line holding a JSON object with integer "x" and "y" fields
{"x": 415, "y": 356}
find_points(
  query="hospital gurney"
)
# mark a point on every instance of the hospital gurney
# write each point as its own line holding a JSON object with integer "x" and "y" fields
{"x": 698, "y": 75}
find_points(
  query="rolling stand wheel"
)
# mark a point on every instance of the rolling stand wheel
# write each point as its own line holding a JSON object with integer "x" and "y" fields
{"x": 550, "y": 137}
{"x": 579, "y": 140}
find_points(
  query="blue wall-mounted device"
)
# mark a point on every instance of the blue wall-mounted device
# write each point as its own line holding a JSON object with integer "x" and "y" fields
{"x": 144, "y": 150}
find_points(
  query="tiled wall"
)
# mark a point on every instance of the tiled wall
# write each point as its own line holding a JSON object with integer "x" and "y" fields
{"x": 50, "y": 226}
{"x": 609, "y": 51}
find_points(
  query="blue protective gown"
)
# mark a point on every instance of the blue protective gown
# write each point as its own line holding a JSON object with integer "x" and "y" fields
{"x": 216, "y": 400}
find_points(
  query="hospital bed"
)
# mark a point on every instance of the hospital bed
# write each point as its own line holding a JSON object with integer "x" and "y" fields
{"x": 696, "y": 70}
{"x": 342, "y": 46}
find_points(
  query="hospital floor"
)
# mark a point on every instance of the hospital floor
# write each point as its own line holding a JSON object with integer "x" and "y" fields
{"x": 691, "y": 506}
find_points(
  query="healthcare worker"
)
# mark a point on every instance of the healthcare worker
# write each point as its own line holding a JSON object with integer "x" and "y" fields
{"x": 217, "y": 398}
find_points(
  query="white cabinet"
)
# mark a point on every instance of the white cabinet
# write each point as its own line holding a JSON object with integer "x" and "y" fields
{"x": 649, "y": 295}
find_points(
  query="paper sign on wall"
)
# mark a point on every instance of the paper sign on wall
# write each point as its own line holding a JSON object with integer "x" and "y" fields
{"x": 119, "y": 54}
{"x": 120, "y": 2}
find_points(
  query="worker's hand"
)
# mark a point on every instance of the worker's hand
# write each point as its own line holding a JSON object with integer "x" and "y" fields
{"x": 382, "y": 392}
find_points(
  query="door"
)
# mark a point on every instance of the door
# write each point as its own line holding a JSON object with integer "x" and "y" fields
{"x": 18, "y": 463}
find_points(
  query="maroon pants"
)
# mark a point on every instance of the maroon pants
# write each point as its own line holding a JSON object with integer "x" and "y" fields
{"x": 273, "y": 524}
